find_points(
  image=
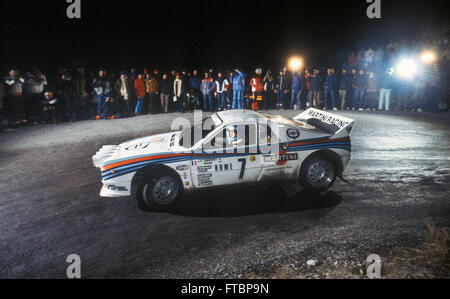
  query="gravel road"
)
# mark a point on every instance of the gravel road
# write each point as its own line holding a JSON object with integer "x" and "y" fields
{"x": 50, "y": 208}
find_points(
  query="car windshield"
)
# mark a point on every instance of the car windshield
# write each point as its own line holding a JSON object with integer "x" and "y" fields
{"x": 191, "y": 136}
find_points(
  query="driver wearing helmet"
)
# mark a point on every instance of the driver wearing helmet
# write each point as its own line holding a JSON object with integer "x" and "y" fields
{"x": 233, "y": 137}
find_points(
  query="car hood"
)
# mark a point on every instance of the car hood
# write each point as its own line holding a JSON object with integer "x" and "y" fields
{"x": 150, "y": 145}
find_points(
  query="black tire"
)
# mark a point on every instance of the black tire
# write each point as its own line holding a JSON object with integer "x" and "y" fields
{"x": 318, "y": 173}
{"x": 159, "y": 192}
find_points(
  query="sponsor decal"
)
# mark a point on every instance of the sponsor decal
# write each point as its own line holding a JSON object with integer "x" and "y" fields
{"x": 182, "y": 168}
{"x": 293, "y": 133}
{"x": 205, "y": 180}
{"x": 252, "y": 159}
{"x": 139, "y": 146}
{"x": 204, "y": 168}
{"x": 281, "y": 159}
{"x": 329, "y": 119}
{"x": 116, "y": 188}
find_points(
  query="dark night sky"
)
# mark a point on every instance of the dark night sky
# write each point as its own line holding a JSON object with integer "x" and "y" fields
{"x": 201, "y": 32}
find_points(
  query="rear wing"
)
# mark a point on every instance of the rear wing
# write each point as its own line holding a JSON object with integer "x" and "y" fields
{"x": 334, "y": 124}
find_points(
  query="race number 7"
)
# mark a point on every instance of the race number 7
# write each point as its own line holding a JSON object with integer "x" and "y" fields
{"x": 244, "y": 163}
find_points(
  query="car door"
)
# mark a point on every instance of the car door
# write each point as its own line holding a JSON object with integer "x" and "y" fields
{"x": 214, "y": 165}
{"x": 228, "y": 160}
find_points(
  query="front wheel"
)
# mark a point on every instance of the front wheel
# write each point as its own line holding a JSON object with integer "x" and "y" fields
{"x": 159, "y": 192}
{"x": 318, "y": 174}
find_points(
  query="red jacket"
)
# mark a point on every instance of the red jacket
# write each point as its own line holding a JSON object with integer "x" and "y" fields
{"x": 139, "y": 85}
{"x": 256, "y": 84}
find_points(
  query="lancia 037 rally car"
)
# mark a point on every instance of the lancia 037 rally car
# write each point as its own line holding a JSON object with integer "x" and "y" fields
{"x": 228, "y": 148}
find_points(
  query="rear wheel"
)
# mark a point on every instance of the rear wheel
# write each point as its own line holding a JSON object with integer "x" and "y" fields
{"x": 318, "y": 173}
{"x": 159, "y": 192}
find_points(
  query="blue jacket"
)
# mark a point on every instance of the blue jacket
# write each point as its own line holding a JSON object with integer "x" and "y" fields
{"x": 208, "y": 86}
{"x": 238, "y": 81}
{"x": 314, "y": 83}
{"x": 298, "y": 83}
{"x": 330, "y": 82}
{"x": 195, "y": 82}
{"x": 346, "y": 82}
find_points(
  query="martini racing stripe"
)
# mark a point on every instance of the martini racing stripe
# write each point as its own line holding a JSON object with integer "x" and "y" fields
{"x": 134, "y": 164}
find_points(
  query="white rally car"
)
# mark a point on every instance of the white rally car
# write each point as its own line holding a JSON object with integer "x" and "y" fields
{"x": 233, "y": 147}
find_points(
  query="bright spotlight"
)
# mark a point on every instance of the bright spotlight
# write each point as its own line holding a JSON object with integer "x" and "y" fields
{"x": 295, "y": 64}
{"x": 428, "y": 57}
{"x": 407, "y": 68}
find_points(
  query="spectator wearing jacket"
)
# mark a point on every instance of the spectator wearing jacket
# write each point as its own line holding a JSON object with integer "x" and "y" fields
{"x": 345, "y": 84}
{"x": 139, "y": 87}
{"x": 386, "y": 84}
{"x": 65, "y": 92}
{"x": 16, "y": 105}
{"x": 315, "y": 86}
{"x": 297, "y": 87}
{"x": 151, "y": 90}
{"x": 123, "y": 89}
{"x": 165, "y": 90}
{"x": 48, "y": 104}
{"x": 222, "y": 85}
{"x": 372, "y": 91}
{"x": 208, "y": 87}
{"x": 359, "y": 84}
{"x": 111, "y": 108}
{"x": 195, "y": 81}
{"x": 282, "y": 89}
{"x": 102, "y": 87}
{"x": 329, "y": 88}
{"x": 178, "y": 93}
{"x": 238, "y": 82}
{"x": 35, "y": 83}
{"x": 257, "y": 89}
{"x": 269, "y": 91}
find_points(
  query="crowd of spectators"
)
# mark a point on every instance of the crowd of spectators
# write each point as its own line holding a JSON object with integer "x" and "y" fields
{"x": 367, "y": 80}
